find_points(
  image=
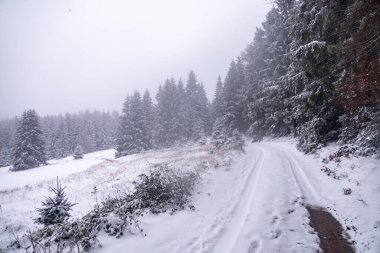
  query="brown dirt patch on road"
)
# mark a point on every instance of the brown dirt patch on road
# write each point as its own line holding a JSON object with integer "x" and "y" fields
{"x": 329, "y": 230}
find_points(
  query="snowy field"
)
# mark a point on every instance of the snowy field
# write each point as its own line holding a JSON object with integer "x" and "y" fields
{"x": 252, "y": 202}
{"x": 61, "y": 168}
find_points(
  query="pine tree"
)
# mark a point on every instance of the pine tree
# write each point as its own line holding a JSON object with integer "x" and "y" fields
{"x": 224, "y": 136}
{"x": 198, "y": 108}
{"x": 193, "y": 115}
{"x": 55, "y": 209}
{"x": 236, "y": 141}
{"x": 29, "y": 151}
{"x": 5, "y": 157}
{"x": 357, "y": 84}
{"x": 169, "y": 125}
{"x": 217, "y": 106}
{"x": 122, "y": 134}
{"x": 184, "y": 112}
{"x": 148, "y": 118}
{"x": 132, "y": 136}
{"x": 78, "y": 152}
{"x": 233, "y": 96}
{"x": 7, "y": 134}
{"x": 220, "y": 133}
{"x": 204, "y": 109}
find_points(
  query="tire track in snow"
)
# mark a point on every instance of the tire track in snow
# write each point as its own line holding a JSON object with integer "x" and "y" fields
{"x": 208, "y": 236}
{"x": 303, "y": 183}
{"x": 231, "y": 232}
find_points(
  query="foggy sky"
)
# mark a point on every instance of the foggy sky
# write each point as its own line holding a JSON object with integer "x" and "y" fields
{"x": 65, "y": 56}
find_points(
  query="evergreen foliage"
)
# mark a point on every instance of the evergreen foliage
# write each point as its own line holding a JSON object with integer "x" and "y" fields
{"x": 310, "y": 72}
{"x": 220, "y": 133}
{"x": 55, "y": 209}
{"x": 91, "y": 130}
{"x": 29, "y": 151}
{"x": 198, "y": 108}
{"x": 132, "y": 136}
{"x": 160, "y": 190}
{"x": 5, "y": 157}
{"x": 170, "y": 125}
{"x": 217, "y": 106}
{"x": 224, "y": 136}
{"x": 148, "y": 118}
{"x": 78, "y": 152}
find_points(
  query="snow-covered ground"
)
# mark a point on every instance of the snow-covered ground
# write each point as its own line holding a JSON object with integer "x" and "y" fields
{"x": 253, "y": 204}
{"x": 56, "y": 168}
{"x": 21, "y": 192}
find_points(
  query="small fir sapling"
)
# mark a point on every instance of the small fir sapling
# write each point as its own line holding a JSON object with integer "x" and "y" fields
{"x": 78, "y": 152}
{"x": 55, "y": 209}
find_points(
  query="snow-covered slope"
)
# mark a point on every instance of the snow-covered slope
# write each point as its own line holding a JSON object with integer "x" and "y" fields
{"x": 61, "y": 168}
{"x": 252, "y": 203}
{"x": 19, "y": 198}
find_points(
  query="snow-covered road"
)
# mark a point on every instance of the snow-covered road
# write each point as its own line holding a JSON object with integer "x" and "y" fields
{"x": 256, "y": 205}
{"x": 268, "y": 214}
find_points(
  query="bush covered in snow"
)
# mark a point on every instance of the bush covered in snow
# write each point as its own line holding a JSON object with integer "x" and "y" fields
{"x": 161, "y": 189}
{"x": 311, "y": 136}
{"x": 236, "y": 141}
{"x": 165, "y": 189}
{"x": 225, "y": 137}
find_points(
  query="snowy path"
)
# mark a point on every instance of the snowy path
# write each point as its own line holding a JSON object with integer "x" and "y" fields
{"x": 254, "y": 206}
{"x": 271, "y": 218}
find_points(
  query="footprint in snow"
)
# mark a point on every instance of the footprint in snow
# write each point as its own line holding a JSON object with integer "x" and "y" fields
{"x": 274, "y": 219}
{"x": 276, "y": 233}
{"x": 254, "y": 247}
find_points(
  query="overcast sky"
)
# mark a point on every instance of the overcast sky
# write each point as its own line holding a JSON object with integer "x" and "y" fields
{"x": 60, "y": 56}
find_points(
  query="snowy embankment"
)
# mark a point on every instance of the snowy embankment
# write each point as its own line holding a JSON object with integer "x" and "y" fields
{"x": 23, "y": 191}
{"x": 252, "y": 203}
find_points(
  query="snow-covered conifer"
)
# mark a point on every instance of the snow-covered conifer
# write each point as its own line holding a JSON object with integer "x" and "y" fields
{"x": 55, "y": 209}
{"x": 29, "y": 151}
{"x": 148, "y": 118}
{"x": 133, "y": 136}
{"x": 78, "y": 152}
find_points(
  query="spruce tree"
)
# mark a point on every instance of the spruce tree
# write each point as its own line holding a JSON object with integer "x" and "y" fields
{"x": 78, "y": 152}
{"x": 183, "y": 112}
{"x": 204, "y": 109}
{"x": 233, "y": 94}
{"x": 148, "y": 118}
{"x": 29, "y": 149}
{"x": 217, "y": 106}
{"x": 169, "y": 125}
{"x": 132, "y": 136}
{"x": 55, "y": 209}
{"x": 5, "y": 157}
{"x": 198, "y": 108}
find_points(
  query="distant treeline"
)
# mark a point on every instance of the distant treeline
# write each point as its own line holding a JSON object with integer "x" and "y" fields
{"x": 181, "y": 114}
{"x": 61, "y": 133}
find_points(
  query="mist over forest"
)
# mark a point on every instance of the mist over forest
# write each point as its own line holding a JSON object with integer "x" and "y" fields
{"x": 295, "y": 106}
